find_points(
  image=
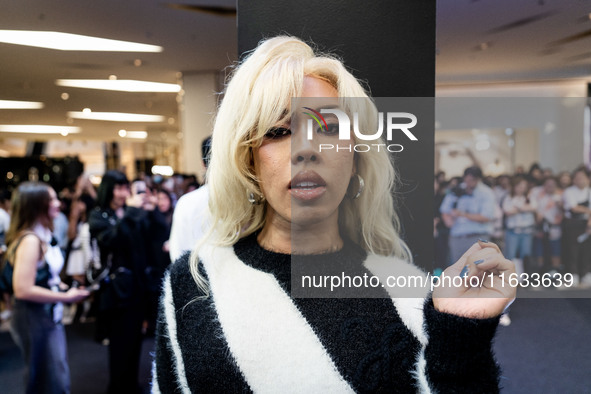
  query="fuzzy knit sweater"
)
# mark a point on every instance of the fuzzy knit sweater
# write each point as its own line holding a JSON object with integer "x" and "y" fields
{"x": 250, "y": 335}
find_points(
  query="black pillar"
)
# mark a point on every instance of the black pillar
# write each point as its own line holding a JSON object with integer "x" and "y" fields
{"x": 391, "y": 45}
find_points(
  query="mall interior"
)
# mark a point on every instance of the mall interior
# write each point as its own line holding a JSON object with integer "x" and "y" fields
{"x": 134, "y": 86}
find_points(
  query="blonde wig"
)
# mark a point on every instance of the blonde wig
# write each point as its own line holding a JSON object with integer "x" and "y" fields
{"x": 257, "y": 98}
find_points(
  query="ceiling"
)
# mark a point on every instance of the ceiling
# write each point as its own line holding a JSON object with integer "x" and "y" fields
{"x": 478, "y": 41}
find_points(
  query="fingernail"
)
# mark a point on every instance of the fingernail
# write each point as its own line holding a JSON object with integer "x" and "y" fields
{"x": 483, "y": 240}
{"x": 479, "y": 261}
{"x": 464, "y": 272}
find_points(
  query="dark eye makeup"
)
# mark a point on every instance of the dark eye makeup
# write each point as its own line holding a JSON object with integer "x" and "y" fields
{"x": 277, "y": 132}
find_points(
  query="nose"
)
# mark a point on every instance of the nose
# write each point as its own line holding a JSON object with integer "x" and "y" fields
{"x": 303, "y": 150}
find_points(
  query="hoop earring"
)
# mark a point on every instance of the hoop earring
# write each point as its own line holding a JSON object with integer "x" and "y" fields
{"x": 361, "y": 187}
{"x": 252, "y": 199}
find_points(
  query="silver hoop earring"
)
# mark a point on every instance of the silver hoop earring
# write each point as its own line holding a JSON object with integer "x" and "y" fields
{"x": 252, "y": 199}
{"x": 361, "y": 186}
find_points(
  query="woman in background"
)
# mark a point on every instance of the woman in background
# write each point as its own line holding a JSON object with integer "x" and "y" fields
{"x": 37, "y": 261}
{"x": 119, "y": 224}
{"x": 520, "y": 219}
{"x": 159, "y": 233}
{"x": 575, "y": 225}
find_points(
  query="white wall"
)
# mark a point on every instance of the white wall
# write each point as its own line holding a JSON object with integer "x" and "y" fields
{"x": 555, "y": 110}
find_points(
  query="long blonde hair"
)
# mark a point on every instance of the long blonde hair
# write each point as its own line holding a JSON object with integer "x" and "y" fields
{"x": 258, "y": 97}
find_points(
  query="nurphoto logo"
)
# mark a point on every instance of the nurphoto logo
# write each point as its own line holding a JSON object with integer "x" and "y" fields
{"x": 395, "y": 122}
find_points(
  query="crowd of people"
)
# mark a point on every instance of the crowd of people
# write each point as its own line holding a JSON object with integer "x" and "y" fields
{"x": 86, "y": 254}
{"x": 114, "y": 243}
{"x": 541, "y": 220}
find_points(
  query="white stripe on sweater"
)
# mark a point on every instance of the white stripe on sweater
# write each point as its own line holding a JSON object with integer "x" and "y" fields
{"x": 409, "y": 304}
{"x": 271, "y": 342}
{"x": 170, "y": 313}
{"x": 155, "y": 389}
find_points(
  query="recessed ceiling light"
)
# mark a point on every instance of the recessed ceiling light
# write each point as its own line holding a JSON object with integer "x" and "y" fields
{"x": 484, "y": 46}
{"x": 38, "y": 129}
{"x": 142, "y": 135}
{"x": 12, "y": 104}
{"x": 72, "y": 42}
{"x": 65, "y": 96}
{"x": 116, "y": 116}
{"x": 120, "y": 85}
{"x": 162, "y": 170}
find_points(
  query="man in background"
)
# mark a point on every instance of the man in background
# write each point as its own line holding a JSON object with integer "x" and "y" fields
{"x": 469, "y": 211}
{"x": 190, "y": 219}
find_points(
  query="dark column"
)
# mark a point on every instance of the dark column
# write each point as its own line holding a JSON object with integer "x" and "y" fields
{"x": 391, "y": 45}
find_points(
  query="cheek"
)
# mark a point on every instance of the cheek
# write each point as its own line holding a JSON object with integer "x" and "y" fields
{"x": 272, "y": 165}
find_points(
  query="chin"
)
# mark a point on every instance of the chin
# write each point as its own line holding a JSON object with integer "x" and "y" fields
{"x": 309, "y": 216}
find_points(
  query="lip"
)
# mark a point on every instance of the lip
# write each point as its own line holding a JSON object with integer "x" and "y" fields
{"x": 307, "y": 186}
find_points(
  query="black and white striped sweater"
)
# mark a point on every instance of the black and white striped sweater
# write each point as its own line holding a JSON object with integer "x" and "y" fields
{"x": 250, "y": 335}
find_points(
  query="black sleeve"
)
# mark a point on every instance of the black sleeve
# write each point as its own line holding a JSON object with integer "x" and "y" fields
{"x": 115, "y": 236}
{"x": 459, "y": 354}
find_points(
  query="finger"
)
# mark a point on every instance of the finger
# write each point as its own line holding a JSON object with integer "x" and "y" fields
{"x": 487, "y": 244}
{"x": 476, "y": 252}
{"x": 493, "y": 262}
{"x": 457, "y": 266}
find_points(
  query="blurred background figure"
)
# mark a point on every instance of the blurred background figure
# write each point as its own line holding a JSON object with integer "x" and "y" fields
{"x": 548, "y": 231}
{"x": 469, "y": 211}
{"x": 190, "y": 220}
{"x": 120, "y": 226}
{"x": 576, "y": 215}
{"x": 5, "y": 304}
{"x": 158, "y": 245}
{"x": 520, "y": 221}
{"x": 36, "y": 261}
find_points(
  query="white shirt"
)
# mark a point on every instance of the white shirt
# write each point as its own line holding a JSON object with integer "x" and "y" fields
{"x": 53, "y": 255}
{"x": 190, "y": 221}
{"x": 520, "y": 219}
{"x": 55, "y": 260}
{"x": 4, "y": 223}
{"x": 573, "y": 196}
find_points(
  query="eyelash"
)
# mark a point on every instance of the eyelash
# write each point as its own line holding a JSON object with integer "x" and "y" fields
{"x": 277, "y": 132}
{"x": 280, "y": 132}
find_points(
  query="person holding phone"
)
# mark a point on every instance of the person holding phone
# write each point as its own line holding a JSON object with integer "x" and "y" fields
{"x": 119, "y": 225}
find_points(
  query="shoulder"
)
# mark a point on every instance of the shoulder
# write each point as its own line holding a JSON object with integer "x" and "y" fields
{"x": 180, "y": 280}
{"x": 196, "y": 196}
{"x": 569, "y": 190}
{"x": 484, "y": 191}
{"x": 28, "y": 238}
{"x": 27, "y": 242}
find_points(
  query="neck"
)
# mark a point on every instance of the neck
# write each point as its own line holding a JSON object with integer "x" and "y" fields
{"x": 282, "y": 236}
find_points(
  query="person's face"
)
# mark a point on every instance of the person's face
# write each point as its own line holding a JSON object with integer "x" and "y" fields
{"x": 54, "y": 204}
{"x": 301, "y": 184}
{"x": 120, "y": 194}
{"x": 163, "y": 202}
{"x": 471, "y": 182}
{"x": 505, "y": 182}
{"x": 581, "y": 180}
{"x": 565, "y": 180}
{"x": 521, "y": 188}
{"x": 550, "y": 186}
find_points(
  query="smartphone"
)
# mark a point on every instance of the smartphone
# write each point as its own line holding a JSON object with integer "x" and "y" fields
{"x": 138, "y": 187}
